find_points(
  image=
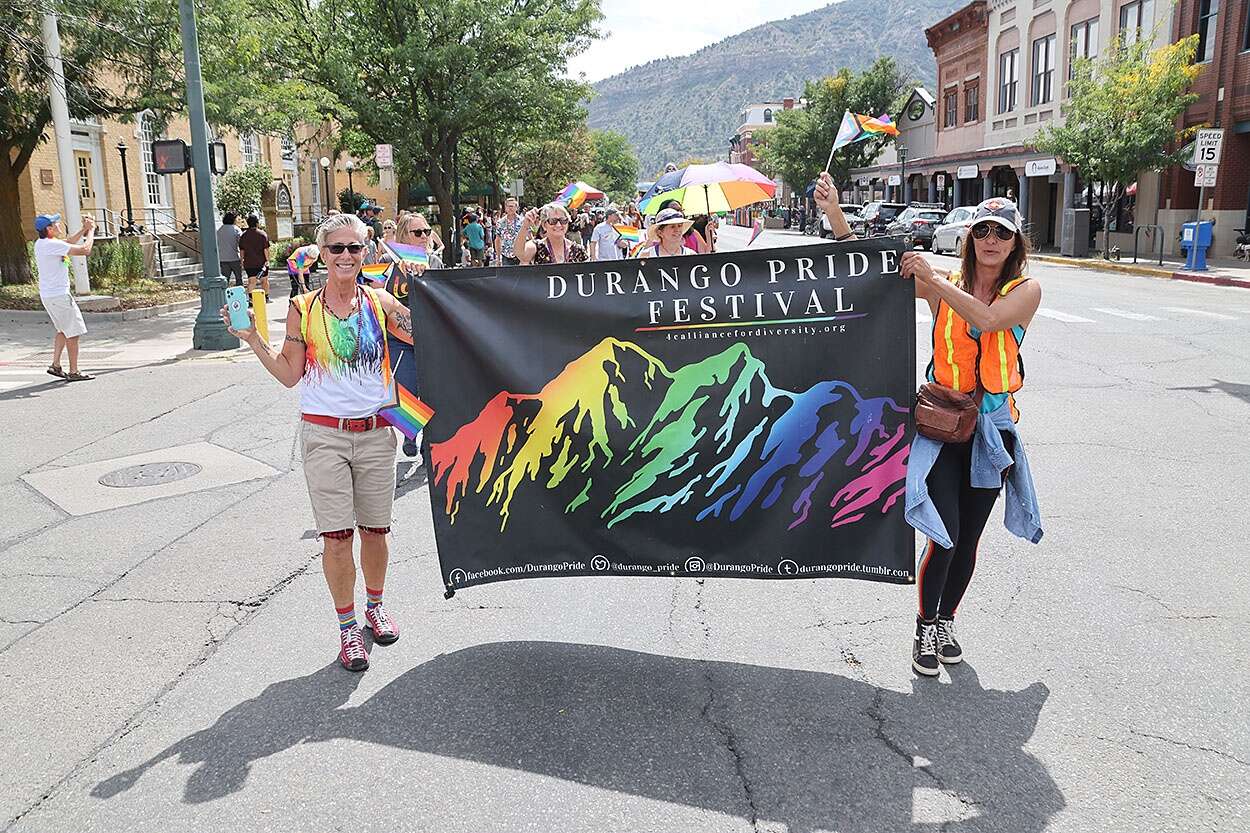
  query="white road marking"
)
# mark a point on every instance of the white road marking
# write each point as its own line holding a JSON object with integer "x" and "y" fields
{"x": 1065, "y": 317}
{"x": 1121, "y": 313}
{"x": 1221, "y": 316}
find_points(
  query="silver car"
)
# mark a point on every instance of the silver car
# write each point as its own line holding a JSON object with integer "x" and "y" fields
{"x": 949, "y": 235}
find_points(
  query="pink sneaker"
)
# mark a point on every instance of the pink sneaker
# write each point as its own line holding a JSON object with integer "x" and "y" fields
{"x": 385, "y": 631}
{"x": 352, "y": 651}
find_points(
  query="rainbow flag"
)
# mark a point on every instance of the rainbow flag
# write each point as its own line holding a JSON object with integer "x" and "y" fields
{"x": 408, "y": 413}
{"x": 856, "y": 128}
{"x": 576, "y": 193}
{"x": 410, "y": 254}
{"x": 756, "y": 228}
{"x": 375, "y": 271}
{"x": 637, "y": 248}
{"x": 633, "y": 234}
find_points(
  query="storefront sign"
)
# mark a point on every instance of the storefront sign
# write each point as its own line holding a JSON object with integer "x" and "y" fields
{"x": 967, "y": 172}
{"x": 1039, "y": 167}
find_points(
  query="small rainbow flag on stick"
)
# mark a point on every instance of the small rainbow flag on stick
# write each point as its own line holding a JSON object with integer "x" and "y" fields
{"x": 856, "y": 127}
{"x": 408, "y": 413}
{"x": 409, "y": 253}
{"x": 375, "y": 271}
{"x": 576, "y": 193}
{"x": 756, "y": 228}
{"x": 632, "y": 234}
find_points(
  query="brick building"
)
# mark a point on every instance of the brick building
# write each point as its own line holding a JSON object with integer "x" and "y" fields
{"x": 1224, "y": 101}
{"x": 753, "y": 121}
{"x": 160, "y": 203}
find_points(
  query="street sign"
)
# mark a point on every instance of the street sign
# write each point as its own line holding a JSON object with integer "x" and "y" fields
{"x": 384, "y": 156}
{"x": 895, "y": 179}
{"x": 1039, "y": 167}
{"x": 941, "y": 180}
{"x": 1204, "y": 176}
{"x": 1208, "y": 144}
{"x": 967, "y": 172}
{"x": 518, "y": 188}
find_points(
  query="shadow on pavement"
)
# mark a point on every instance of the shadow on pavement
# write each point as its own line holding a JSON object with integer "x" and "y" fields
{"x": 1234, "y": 389}
{"x": 811, "y": 750}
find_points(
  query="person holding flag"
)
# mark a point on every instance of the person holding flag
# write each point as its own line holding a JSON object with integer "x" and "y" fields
{"x": 611, "y": 240}
{"x": 412, "y": 232}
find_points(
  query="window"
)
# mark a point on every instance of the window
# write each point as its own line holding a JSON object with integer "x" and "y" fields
{"x": 1208, "y": 11}
{"x": 1043, "y": 70}
{"x": 154, "y": 183}
{"x": 972, "y": 103}
{"x": 768, "y": 115}
{"x": 950, "y": 108}
{"x": 314, "y": 184}
{"x": 1245, "y": 44}
{"x": 1008, "y": 80}
{"x": 1135, "y": 18}
{"x": 84, "y": 177}
{"x": 249, "y": 149}
{"x": 1084, "y": 42}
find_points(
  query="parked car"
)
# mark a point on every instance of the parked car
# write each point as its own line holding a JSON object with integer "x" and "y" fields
{"x": 850, "y": 210}
{"x": 950, "y": 233}
{"x": 916, "y": 224}
{"x": 878, "y": 215}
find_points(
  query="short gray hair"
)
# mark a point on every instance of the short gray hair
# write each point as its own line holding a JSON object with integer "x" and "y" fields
{"x": 553, "y": 209}
{"x": 335, "y": 222}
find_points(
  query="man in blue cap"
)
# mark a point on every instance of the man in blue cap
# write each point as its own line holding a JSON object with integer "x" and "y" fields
{"x": 52, "y": 259}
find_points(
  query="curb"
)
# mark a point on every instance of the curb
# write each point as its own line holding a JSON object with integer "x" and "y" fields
{"x": 1144, "y": 270}
{"x": 114, "y": 315}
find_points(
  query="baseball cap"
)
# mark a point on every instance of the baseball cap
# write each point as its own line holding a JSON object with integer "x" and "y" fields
{"x": 999, "y": 210}
{"x": 44, "y": 220}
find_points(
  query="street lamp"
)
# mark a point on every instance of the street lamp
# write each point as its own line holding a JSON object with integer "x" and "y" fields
{"x": 325, "y": 177}
{"x": 902, "y": 174}
{"x": 130, "y": 214}
{"x": 351, "y": 191}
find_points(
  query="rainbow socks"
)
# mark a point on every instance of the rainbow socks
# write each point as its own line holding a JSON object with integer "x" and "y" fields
{"x": 347, "y": 616}
{"x": 373, "y": 598}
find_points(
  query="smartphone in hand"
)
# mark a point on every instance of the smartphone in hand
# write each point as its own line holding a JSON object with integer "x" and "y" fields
{"x": 236, "y": 305}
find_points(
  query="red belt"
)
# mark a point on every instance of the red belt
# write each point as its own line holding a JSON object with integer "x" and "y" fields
{"x": 345, "y": 424}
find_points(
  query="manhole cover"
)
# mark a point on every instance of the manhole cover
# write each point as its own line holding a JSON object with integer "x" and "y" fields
{"x": 150, "y": 474}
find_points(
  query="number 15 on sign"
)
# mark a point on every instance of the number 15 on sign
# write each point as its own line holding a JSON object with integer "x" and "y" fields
{"x": 1207, "y": 146}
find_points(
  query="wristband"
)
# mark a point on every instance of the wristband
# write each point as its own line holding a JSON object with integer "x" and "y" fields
{"x": 847, "y": 236}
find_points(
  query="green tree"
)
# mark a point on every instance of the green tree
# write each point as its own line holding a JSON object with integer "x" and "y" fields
{"x": 239, "y": 190}
{"x": 797, "y": 148}
{"x": 552, "y": 163}
{"x": 1122, "y": 115}
{"x": 426, "y": 77}
{"x": 616, "y": 164}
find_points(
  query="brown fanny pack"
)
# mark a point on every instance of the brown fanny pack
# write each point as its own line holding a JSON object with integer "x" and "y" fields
{"x": 945, "y": 414}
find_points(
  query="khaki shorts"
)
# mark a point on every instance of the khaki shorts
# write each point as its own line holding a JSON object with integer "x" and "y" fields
{"x": 350, "y": 474}
{"x": 65, "y": 315}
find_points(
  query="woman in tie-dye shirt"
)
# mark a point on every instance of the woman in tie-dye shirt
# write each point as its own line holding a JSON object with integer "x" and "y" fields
{"x": 336, "y": 350}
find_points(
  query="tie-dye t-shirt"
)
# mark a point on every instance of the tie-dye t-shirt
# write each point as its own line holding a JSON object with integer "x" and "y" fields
{"x": 340, "y": 381}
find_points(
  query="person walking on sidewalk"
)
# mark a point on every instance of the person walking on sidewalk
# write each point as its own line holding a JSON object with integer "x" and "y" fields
{"x": 52, "y": 260}
{"x": 980, "y": 313}
{"x": 228, "y": 255}
{"x": 506, "y": 232}
{"x": 254, "y": 246}
{"x": 335, "y": 350}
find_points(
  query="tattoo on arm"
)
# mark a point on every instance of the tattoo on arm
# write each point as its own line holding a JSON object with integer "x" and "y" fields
{"x": 403, "y": 320}
{"x": 295, "y": 339}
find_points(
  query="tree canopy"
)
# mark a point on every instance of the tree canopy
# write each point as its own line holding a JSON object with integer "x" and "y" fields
{"x": 616, "y": 165}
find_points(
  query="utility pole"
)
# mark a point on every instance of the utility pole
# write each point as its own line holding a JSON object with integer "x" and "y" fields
{"x": 64, "y": 144}
{"x": 210, "y": 331}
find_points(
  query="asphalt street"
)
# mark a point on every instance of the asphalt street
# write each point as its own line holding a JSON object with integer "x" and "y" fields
{"x": 168, "y": 659}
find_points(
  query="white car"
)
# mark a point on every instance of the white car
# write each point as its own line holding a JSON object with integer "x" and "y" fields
{"x": 850, "y": 210}
{"x": 950, "y": 233}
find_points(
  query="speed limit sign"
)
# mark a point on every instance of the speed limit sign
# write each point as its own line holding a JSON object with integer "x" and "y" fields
{"x": 1207, "y": 146}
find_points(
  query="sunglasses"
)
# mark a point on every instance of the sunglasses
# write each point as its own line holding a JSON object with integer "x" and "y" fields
{"x": 556, "y": 221}
{"x": 339, "y": 248}
{"x": 982, "y": 230}
{"x": 420, "y": 232}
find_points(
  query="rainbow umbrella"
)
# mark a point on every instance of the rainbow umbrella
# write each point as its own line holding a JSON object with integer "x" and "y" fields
{"x": 576, "y": 193}
{"x": 710, "y": 189}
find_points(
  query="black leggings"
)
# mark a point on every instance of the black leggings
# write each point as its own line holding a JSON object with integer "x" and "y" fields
{"x": 945, "y": 573}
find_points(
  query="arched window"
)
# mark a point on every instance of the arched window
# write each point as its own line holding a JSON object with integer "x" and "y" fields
{"x": 155, "y": 187}
{"x": 768, "y": 115}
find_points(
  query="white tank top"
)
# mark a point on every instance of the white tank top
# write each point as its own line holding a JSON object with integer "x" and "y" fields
{"x": 347, "y": 371}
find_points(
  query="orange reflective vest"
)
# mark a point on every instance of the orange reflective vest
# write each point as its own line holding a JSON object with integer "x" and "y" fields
{"x": 962, "y": 354}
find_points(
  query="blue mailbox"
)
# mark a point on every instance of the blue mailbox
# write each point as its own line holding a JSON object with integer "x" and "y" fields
{"x": 1195, "y": 240}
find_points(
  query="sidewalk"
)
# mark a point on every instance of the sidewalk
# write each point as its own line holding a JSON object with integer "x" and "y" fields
{"x": 1221, "y": 272}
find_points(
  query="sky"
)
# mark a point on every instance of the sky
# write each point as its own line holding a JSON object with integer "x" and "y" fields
{"x": 637, "y": 31}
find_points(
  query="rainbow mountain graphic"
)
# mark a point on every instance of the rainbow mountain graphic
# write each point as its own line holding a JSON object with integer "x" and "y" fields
{"x": 619, "y": 434}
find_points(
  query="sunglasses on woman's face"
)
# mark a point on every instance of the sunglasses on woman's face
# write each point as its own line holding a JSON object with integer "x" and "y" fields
{"x": 982, "y": 230}
{"x": 339, "y": 248}
{"x": 420, "y": 232}
{"x": 556, "y": 221}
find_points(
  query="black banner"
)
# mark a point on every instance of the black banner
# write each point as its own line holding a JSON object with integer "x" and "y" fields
{"x": 743, "y": 414}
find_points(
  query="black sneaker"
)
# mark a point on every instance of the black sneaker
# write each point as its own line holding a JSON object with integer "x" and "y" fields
{"x": 948, "y": 650}
{"x": 924, "y": 658}
{"x": 410, "y": 448}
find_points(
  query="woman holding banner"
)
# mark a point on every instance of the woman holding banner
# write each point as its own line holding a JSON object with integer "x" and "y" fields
{"x": 668, "y": 229}
{"x": 412, "y": 230}
{"x": 980, "y": 314}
